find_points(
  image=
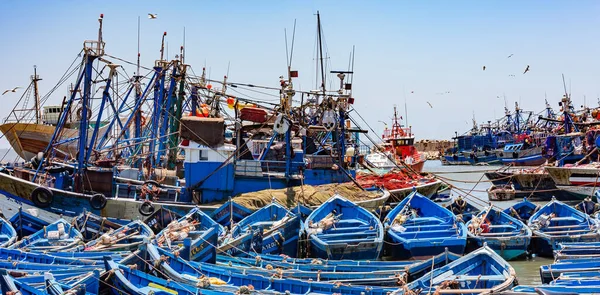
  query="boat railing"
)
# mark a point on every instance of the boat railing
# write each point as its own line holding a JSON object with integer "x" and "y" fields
{"x": 93, "y": 47}
{"x": 257, "y": 168}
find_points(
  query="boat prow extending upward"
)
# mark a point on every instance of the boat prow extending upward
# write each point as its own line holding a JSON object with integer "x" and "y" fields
{"x": 340, "y": 229}
{"x": 557, "y": 222}
{"x": 419, "y": 227}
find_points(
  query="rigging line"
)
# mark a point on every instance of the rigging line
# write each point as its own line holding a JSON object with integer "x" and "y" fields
{"x": 127, "y": 62}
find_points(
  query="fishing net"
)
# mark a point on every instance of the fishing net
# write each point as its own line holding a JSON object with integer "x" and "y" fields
{"x": 307, "y": 195}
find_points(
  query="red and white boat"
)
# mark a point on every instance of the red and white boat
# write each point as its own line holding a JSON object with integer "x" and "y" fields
{"x": 580, "y": 181}
{"x": 398, "y": 146}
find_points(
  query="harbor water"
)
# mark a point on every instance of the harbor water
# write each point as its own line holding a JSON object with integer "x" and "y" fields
{"x": 471, "y": 179}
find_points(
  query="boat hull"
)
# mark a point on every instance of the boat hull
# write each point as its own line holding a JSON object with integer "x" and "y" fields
{"x": 578, "y": 182}
{"x": 426, "y": 189}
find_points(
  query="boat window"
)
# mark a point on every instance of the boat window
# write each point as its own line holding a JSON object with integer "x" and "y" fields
{"x": 202, "y": 155}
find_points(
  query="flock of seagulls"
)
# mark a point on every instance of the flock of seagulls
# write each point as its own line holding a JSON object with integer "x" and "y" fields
{"x": 524, "y": 72}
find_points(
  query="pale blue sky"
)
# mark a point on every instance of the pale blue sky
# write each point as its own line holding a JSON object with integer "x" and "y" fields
{"x": 428, "y": 47}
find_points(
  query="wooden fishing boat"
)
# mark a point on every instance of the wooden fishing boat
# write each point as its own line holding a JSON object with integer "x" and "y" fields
{"x": 92, "y": 226}
{"x": 419, "y": 227}
{"x": 301, "y": 211}
{"x": 557, "y": 222}
{"x": 188, "y": 273}
{"x": 8, "y": 234}
{"x": 371, "y": 272}
{"x": 506, "y": 235}
{"x": 501, "y": 193}
{"x": 37, "y": 257}
{"x": 124, "y": 279}
{"x": 50, "y": 283}
{"x": 463, "y": 209}
{"x": 479, "y": 272}
{"x": 550, "y": 272}
{"x": 27, "y": 224}
{"x": 339, "y": 229}
{"x": 400, "y": 184}
{"x": 125, "y": 238}
{"x": 280, "y": 229}
{"x": 57, "y": 236}
{"x": 230, "y": 213}
{"x": 522, "y": 210}
{"x": 195, "y": 236}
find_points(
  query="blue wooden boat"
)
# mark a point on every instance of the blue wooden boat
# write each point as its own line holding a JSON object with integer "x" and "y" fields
{"x": 506, "y": 235}
{"x": 92, "y": 226}
{"x": 125, "y": 238}
{"x": 340, "y": 229}
{"x": 8, "y": 234}
{"x": 557, "y": 223}
{"x": 301, "y": 211}
{"x": 188, "y": 273}
{"x": 550, "y": 272}
{"x": 162, "y": 217}
{"x": 462, "y": 208}
{"x": 26, "y": 224}
{"x": 522, "y": 210}
{"x": 19, "y": 255}
{"x": 230, "y": 213}
{"x": 279, "y": 226}
{"x": 195, "y": 236}
{"x": 57, "y": 236}
{"x": 481, "y": 271}
{"x": 419, "y": 227}
{"x": 49, "y": 284}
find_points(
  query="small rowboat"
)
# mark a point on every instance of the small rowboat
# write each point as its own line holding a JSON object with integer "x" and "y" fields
{"x": 506, "y": 235}
{"x": 125, "y": 238}
{"x": 501, "y": 192}
{"x": 522, "y": 210}
{"x": 230, "y": 213}
{"x": 557, "y": 222}
{"x": 8, "y": 234}
{"x": 279, "y": 229}
{"x": 340, "y": 229}
{"x": 57, "y": 236}
{"x": 479, "y": 272}
{"x": 419, "y": 227}
{"x": 195, "y": 236}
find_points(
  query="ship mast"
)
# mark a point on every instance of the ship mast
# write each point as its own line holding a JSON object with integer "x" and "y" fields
{"x": 321, "y": 56}
{"x": 35, "y": 78}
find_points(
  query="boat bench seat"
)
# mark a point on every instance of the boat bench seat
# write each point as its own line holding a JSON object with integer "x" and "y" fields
{"x": 350, "y": 222}
{"x": 482, "y": 278}
{"x": 428, "y": 227}
{"x": 351, "y": 241}
{"x": 504, "y": 233}
{"x": 430, "y": 232}
{"x": 435, "y": 239}
{"x": 370, "y": 236}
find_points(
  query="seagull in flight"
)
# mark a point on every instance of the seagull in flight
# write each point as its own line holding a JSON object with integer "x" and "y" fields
{"x": 526, "y": 69}
{"x": 430, "y": 105}
{"x": 484, "y": 68}
{"x": 11, "y": 90}
{"x": 510, "y": 55}
{"x": 152, "y": 15}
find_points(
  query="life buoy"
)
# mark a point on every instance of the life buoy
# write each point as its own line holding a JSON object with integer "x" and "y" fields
{"x": 42, "y": 197}
{"x": 80, "y": 112}
{"x": 146, "y": 208}
{"x": 98, "y": 201}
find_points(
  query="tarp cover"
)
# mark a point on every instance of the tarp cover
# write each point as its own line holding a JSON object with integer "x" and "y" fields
{"x": 307, "y": 195}
{"x": 205, "y": 131}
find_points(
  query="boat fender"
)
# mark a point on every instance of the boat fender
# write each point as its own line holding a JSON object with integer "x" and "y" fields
{"x": 42, "y": 197}
{"x": 146, "y": 208}
{"x": 98, "y": 201}
{"x": 80, "y": 112}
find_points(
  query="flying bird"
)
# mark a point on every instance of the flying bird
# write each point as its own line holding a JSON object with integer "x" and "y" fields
{"x": 152, "y": 15}
{"x": 510, "y": 55}
{"x": 526, "y": 69}
{"x": 484, "y": 68}
{"x": 11, "y": 90}
{"x": 430, "y": 105}
{"x": 511, "y": 75}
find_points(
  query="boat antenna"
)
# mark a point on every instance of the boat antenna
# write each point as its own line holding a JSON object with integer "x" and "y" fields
{"x": 138, "y": 47}
{"x": 319, "y": 29}
{"x": 183, "y": 50}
